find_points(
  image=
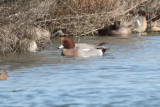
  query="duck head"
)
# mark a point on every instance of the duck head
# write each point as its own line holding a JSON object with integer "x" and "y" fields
{"x": 143, "y": 12}
{"x": 68, "y": 47}
{"x": 67, "y": 43}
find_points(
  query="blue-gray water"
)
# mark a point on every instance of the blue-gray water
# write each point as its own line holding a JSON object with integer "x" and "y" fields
{"x": 128, "y": 75}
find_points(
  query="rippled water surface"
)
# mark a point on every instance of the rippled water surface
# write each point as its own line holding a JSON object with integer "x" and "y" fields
{"x": 128, "y": 75}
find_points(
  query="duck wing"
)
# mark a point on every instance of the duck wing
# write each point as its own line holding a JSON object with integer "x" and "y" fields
{"x": 90, "y": 47}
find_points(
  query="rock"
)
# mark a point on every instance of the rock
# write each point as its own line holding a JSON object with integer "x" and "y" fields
{"x": 42, "y": 38}
{"x": 58, "y": 33}
{"x": 32, "y": 46}
{"x": 28, "y": 45}
{"x": 42, "y": 34}
{"x": 154, "y": 27}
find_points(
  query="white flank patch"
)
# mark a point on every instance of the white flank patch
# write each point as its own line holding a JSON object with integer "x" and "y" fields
{"x": 101, "y": 53}
{"x": 86, "y": 49}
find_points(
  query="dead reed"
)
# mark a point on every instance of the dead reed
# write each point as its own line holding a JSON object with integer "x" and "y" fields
{"x": 18, "y": 18}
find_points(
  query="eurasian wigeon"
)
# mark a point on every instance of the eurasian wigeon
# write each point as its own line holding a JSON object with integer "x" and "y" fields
{"x": 71, "y": 49}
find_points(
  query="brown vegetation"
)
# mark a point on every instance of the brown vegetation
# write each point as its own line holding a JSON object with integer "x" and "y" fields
{"x": 19, "y": 18}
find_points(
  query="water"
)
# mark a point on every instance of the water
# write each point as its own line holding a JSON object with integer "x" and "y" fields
{"x": 127, "y": 75}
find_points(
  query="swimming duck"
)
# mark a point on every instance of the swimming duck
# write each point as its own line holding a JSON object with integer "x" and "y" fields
{"x": 141, "y": 22}
{"x": 115, "y": 30}
{"x": 71, "y": 49}
{"x": 3, "y": 74}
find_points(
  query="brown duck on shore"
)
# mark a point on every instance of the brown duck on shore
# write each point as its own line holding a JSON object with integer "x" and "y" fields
{"x": 3, "y": 74}
{"x": 114, "y": 30}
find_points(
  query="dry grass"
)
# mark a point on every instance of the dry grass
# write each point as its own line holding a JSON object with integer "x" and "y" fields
{"x": 84, "y": 17}
{"x": 18, "y": 18}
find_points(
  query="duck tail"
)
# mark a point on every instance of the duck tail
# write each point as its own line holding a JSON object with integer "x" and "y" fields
{"x": 105, "y": 49}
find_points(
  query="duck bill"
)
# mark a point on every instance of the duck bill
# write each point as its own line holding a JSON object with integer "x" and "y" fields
{"x": 61, "y": 46}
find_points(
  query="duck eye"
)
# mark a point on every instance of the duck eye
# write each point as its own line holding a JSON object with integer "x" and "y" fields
{"x": 65, "y": 42}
